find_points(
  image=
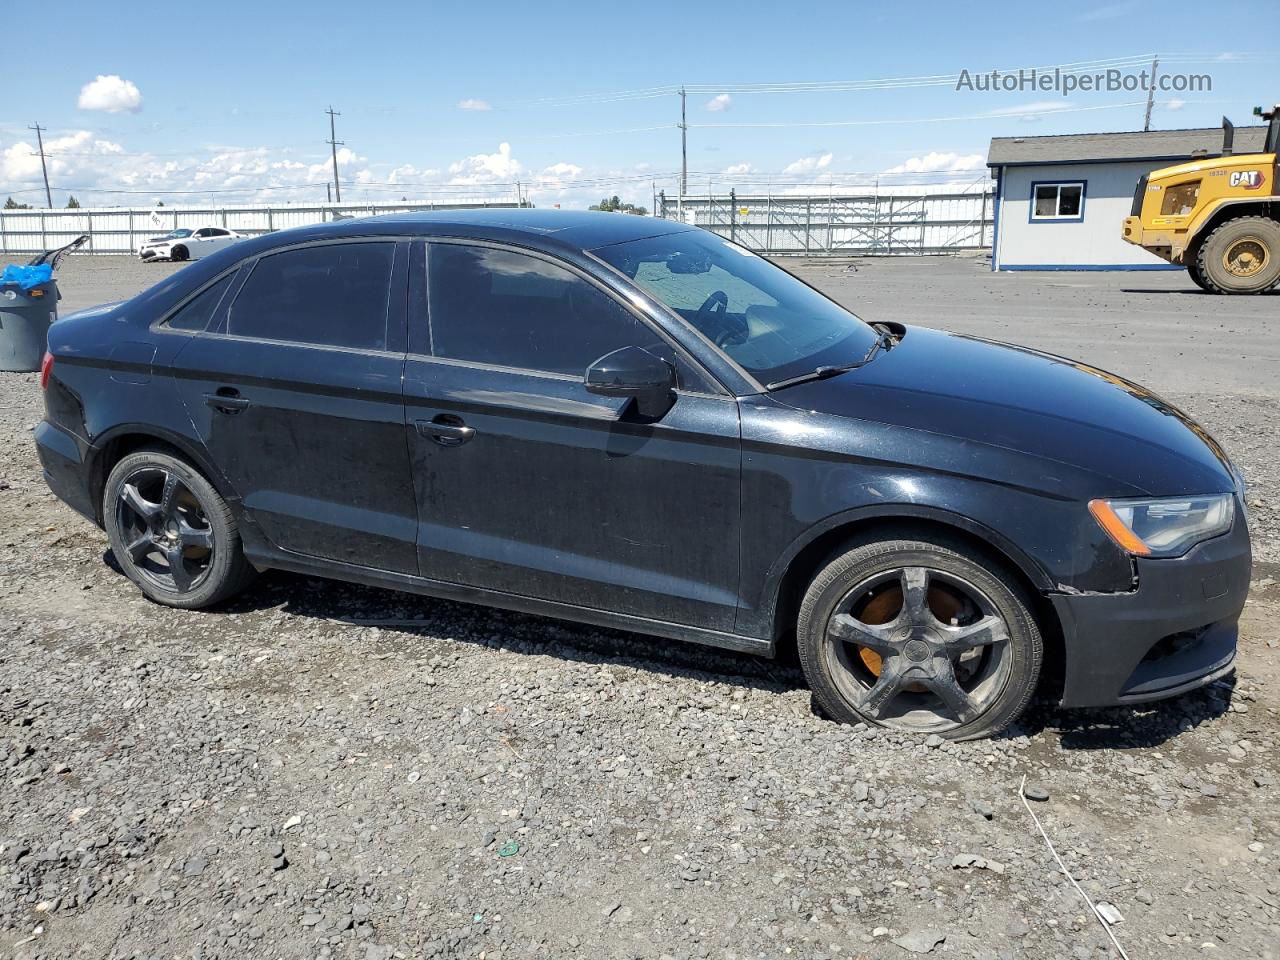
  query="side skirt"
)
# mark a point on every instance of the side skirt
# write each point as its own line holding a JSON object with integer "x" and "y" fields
{"x": 297, "y": 563}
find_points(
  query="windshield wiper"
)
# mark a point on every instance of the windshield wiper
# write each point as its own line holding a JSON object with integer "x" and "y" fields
{"x": 886, "y": 336}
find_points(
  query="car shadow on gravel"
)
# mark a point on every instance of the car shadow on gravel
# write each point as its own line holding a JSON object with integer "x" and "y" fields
{"x": 1137, "y": 727}
{"x": 422, "y": 621}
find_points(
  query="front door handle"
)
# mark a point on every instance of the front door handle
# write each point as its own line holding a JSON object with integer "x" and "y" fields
{"x": 226, "y": 400}
{"x": 448, "y": 431}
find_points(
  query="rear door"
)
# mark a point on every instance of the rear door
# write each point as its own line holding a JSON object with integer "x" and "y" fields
{"x": 529, "y": 484}
{"x": 295, "y": 389}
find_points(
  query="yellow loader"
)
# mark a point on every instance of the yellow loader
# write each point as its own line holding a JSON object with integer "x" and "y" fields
{"x": 1218, "y": 217}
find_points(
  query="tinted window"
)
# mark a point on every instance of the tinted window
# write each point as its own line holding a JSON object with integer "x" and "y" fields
{"x": 196, "y": 313}
{"x": 759, "y": 315}
{"x": 334, "y": 294}
{"x": 511, "y": 310}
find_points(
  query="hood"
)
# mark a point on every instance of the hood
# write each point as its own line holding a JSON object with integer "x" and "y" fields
{"x": 1040, "y": 405}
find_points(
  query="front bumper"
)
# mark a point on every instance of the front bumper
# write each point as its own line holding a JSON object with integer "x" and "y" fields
{"x": 62, "y": 457}
{"x": 1177, "y": 631}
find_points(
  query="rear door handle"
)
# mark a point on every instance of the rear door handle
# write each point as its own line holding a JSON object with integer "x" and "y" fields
{"x": 226, "y": 400}
{"x": 446, "y": 430}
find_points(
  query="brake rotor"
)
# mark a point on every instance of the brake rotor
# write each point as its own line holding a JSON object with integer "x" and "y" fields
{"x": 884, "y": 608}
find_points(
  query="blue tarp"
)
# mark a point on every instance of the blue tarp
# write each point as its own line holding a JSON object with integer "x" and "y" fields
{"x": 24, "y": 278}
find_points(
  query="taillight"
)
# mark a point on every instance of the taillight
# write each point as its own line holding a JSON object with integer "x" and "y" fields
{"x": 46, "y": 368}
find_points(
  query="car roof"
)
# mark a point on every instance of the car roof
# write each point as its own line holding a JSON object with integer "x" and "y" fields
{"x": 584, "y": 229}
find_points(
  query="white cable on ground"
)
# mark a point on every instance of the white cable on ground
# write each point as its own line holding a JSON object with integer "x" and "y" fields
{"x": 1079, "y": 889}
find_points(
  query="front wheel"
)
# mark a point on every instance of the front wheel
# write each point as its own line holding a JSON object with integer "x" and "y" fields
{"x": 178, "y": 254}
{"x": 171, "y": 532}
{"x": 1241, "y": 256}
{"x": 919, "y": 636}
{"x": 1193, "y": 271}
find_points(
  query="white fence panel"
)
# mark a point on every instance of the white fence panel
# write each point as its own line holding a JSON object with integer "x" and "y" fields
{"x": 25, "y": 233}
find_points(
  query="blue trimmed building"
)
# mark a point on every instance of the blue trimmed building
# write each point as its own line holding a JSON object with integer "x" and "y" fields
{"x": 1060, "y": 201}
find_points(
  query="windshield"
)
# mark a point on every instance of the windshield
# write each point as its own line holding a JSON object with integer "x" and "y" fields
{"x": 766, "y": 320}
{"x": 177, "y": 234}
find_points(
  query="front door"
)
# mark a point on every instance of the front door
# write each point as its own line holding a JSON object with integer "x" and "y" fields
{"x": 529, "y": 484}
{"x": 295, "y": 390}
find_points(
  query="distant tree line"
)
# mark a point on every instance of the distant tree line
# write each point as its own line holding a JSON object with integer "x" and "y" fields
{"x": 615, "y": 205}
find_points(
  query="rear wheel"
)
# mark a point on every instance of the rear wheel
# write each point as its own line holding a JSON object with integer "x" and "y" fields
{"x": 924, "y": 637}
{"x": 171, "y": 532}
{"x": 1241, "y": 256}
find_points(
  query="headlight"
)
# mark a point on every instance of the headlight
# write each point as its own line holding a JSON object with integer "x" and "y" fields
{"x": 1168, "y": 527}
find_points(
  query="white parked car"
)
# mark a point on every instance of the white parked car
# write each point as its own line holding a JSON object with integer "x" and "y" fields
{"x": 186, "y": 244}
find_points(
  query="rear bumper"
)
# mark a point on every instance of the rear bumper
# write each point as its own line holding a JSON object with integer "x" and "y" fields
{"x": 62, "y": 457}
{"x": 1177, "y": 631}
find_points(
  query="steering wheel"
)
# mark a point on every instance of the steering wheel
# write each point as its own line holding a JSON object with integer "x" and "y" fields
{"x": 711, "y": 319}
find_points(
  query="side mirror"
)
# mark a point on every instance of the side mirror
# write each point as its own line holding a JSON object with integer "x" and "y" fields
{"x": 634, "y": 372}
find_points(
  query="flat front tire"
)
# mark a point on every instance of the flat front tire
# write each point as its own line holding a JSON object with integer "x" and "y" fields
{"x": 171, "y": 532}
{"x": 919, "y": 636}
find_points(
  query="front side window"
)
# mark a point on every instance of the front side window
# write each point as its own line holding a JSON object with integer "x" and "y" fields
{"x": 763, "y": 318}
{"x": 333, "y": 294}
{"x": 1057, "y": 201}
{"x": 507, "y": 309}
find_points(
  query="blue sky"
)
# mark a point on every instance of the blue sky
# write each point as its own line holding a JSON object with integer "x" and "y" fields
{"x": 451, "y": 100}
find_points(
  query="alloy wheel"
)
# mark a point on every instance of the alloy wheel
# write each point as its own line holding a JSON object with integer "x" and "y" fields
{"x": 167, "y": 536}
{"x": 918, "y": 649}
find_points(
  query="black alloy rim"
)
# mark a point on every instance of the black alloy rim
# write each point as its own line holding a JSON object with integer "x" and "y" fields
{"x": 918, "y": 649}
{"x": 167, "y": 537}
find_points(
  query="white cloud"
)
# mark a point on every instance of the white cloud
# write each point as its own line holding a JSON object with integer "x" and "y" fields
{"x": 473, "y": 104}
{"x": 561, "y": 171}
{"x": 719, "y": 103}
{"x": 486, "y": 167}
{"x": 110, "y": 93}
{"x": 737, "y": 169}
{"x": 940, "y": 162}
{"x": 809, "y": 164}
{"x": 1175, "y": 104}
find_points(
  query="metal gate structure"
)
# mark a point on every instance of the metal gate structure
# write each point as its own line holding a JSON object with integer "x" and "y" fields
{"x": 883, "y": 224}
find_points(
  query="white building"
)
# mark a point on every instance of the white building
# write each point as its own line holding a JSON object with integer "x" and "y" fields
{"x": 1060, "y": 201}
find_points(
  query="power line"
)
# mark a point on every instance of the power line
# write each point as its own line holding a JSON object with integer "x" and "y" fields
{"x": 43, "y": 168}
{"x": 333, "y": 146}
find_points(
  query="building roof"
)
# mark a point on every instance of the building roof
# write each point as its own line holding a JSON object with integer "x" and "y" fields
{"x": 1136, "y": 145}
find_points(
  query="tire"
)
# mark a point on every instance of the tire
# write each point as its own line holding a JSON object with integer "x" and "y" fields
{"x": 178, "y": 254}
{"x": 1241, "y": 256}
{"x": 858, "y": 637}
{"x": 1193, "y": 271}
{"x": 158, "y": 511}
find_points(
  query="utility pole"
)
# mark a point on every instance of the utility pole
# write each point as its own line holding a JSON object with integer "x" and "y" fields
{"x": 333, "y": 145}
{"x": 1151, "y": 95}
{"x": 684, "y": 147}
{"x": 48, "y": 197}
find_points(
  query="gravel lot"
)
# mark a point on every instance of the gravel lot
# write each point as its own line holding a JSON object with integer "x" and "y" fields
{"x": 323, "y": 770}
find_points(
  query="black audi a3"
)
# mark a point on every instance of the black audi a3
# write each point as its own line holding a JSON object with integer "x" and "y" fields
{"x": 637, "y": 424}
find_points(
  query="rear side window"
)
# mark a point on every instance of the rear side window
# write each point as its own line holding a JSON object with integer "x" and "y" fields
{"x": 335, "y": 294}
{"x": 195, "y": 314}
{"x": 507, "y": 309}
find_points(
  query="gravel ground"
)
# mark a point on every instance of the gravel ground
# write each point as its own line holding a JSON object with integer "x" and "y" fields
{"x": 323, "y": 770}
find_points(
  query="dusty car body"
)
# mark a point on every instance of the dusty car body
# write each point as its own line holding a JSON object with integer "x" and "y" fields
{"x": 932, "y": 518}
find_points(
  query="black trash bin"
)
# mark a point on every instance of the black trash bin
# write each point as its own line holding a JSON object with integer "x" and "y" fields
{"x": 25, "y": 317}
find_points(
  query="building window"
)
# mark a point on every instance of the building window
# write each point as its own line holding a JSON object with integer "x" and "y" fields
{"x": 1057, "y": 201}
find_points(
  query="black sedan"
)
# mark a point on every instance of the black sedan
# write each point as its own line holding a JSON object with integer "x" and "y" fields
{"x": 633, "y": 423}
